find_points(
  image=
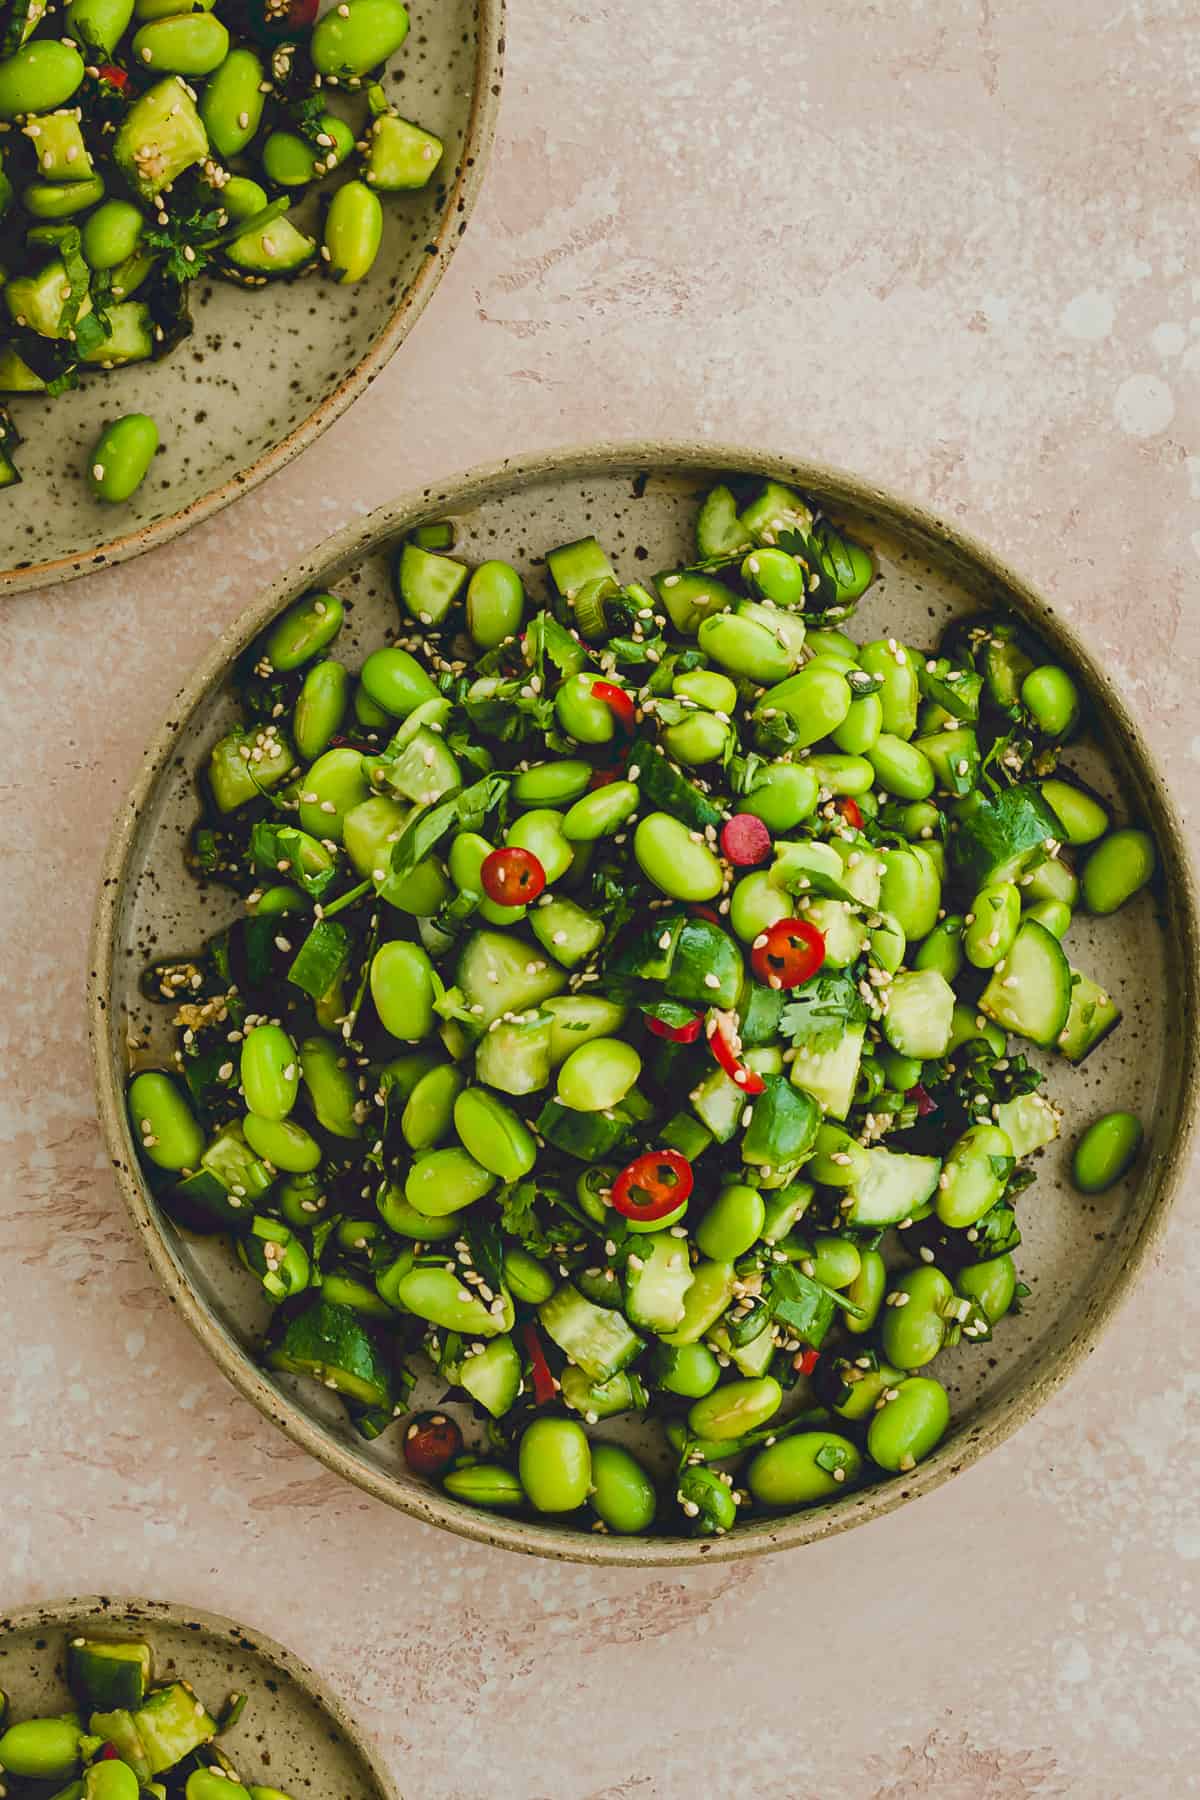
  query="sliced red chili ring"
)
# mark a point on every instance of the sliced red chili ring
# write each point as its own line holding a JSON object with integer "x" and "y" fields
{"x": 806, "y": 1361}
{"x": 923, "y": 1100}
{"x": 745, "y": 840}
{"x": 788, "y": 953}
{"x": 704, "y": 912}
{"x": 850, "y": 810}
{"x": 675, "y": 1034}
{"x": 512, "y": 876}
{"x": 726, "y": 1046}
{"x": 618, "y": 700}
{"x": 544, "y": 1385}
{"x": 653, "y": 1185}
{"x": 114, "y": 76}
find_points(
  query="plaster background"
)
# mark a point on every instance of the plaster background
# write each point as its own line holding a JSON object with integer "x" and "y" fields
{"x": 952, "y": 245}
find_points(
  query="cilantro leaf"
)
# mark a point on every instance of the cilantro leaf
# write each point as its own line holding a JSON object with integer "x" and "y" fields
{"x": 461, "y": 811}
{"x": 820, "y": 1013}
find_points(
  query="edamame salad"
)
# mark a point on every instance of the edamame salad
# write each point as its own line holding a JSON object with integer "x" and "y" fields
{"x": 146, "y": 144}
{"x": 126, "y": 1735}
{"x": 629, "y": 1015}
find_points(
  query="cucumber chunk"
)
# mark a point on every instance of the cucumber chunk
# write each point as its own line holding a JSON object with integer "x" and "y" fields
{"x": 1033, "y": 995}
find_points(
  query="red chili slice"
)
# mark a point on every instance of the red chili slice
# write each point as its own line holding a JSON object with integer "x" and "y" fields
{"x": 850, "y": 810}
{"x": 726, "y": 1046}
{"x": 788, "y": 953}
{"x": 107, "y": 1753}
{"x": 675, "y": 1034}
{"x": 618, "y": 700}
{"x": 924, "y": 1101}
{"x": 431, "y": 1443}
{"x": 544, "y": 1385}
{"x": 512, "y": 876}
{"x": 745, "y": 840}
{"x": 704, "y": 912}
{"x": 653, "y": 1185}
{"x": 806, "y": 1361}
{"x": 115, "y": 77}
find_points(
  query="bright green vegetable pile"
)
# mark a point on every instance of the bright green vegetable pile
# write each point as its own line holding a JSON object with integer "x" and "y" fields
{"x": 408, "y": 1104}
{"x": 127, "y": 1737}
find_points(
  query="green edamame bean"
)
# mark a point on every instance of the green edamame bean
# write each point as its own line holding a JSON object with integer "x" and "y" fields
{"x": 836, "y": 1260}
{"x": 231, "y": 106}
{"x": 396, "y": 681}
{"x": 912, "y": 1333}
{"x": 495, "y": 604}
{"x": 335, "y": 784}
{"x": 670, "y": 857}
{"x": 745, "y": 647}
{"x": 707, "y": 1501}
{"x": 189, "y": 44}
{"x": 783, "y": 794}
{"x": 320, "y": 708}
{"x": 812, "y": 1465}
{"x": 837, "y": 642}
{"x": 494, "y": 1135}
{"x": 527, "y": 1280}
{"x": 787, "y": 627}
{"x": 815, "y": 700}
{"x": 98, "y": 24}
{"x": 888, "y": 943}
{"x": 843, "y": 774}
{"x": 864, "y": 1388}
{"x": 1106, "y": 1151}
{"x": 901, "y": 1072}
{"x": 1053, "y": 699}
{"x": 735, "y": 1408}
{"x": 598, "y": 1075}
{"x": 111, "y": 234}
{"x": 332, "y": 1089}
{"x": 41, "y": 1750}
{"x": 1055, "y": 915}
{"x": 901, "y": 768}
{"x": 994, "y": 921}
{"x": 165, "y": 1128}
{"x": 707, "y": 688}
{"x": 243, "y": 198}
{"x": 601, "y": 813}
{"x": 555, "y": 1462}
{"x": 622, "y": 1493}
{"x": 484, "y": 1484}
{"x": 974, "y": 1175}
{"x": 967, "y": 1024}
{"x": 114, "y": 1780}
{"x": 775, "y": 575}
{"x": 690, "y": 1370}
{"x": 290, "y": 160}
{"x": 733, "y": 1223}
{"x": 581, "y": 714}
{"x": 1052, "y": 879}
{"x": 445, "y": 1181}
{"x": 351, "y": 40}
{"x": 900, "y": 694}
{"x": 1117, "y": 868}
{"x": 402, "y": 987}
{"x": 911, "y": 892}
{"x": 42, "y": 75}
{"x": 866, "y": 1292}
{"x": 122, "y": 456}
{"x": 429, "y": 1110}
{"x": 277, "y": 902}
{"x": 905, "y": 1429}
{"x": 859, "y": 730}
{"x": 61, "y": 199}
{"x": 282, "y": 1142}
{"x": 1080, "y": 814}
{"x": 552, "y": 784}
{"x": 202, "y": 1784}
{"x": 270, "y": 1072}
{"x": 541, "y": 831}
{"x": 838, "y": 1160}
{"x": 304, "y": 630}
{"x": 353, "y": 230}
{"x": 700, "y": 738}
{"x": 407, "y": 1222}
{"x": 991, "y": 1284}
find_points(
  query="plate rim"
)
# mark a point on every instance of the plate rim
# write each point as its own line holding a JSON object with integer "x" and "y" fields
{"x": 461, "y": 197}
{"x": 118, "y": 1610}
{"x": 431, "y": 1506}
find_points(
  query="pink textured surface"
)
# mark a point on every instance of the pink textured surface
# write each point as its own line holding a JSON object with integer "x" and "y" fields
{"x": 952, "y": 246}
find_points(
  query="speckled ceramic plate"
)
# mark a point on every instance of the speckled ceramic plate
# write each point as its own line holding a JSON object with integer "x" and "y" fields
{"x": 265, "y": 370}
{"x": 1079, "y": 1256}
{"x": 293, "y": 1734}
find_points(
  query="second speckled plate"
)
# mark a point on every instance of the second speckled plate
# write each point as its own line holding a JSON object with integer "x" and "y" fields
{"x": 293, "y": 1735}
{"x": 265, "y": 370}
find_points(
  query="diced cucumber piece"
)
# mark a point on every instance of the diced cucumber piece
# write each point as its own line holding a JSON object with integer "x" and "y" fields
{"x": 1092, "y": 1015}
{"x": 785, "y": 1207}
{"x": 705, "y": 1301}
{"x": 331, "y": 1344}
{"x": 751, "y": 1359}
{"x": 719, "y": 1102}
{"x": 602, "y": 1399}
{"x": 689, "y": 598}
{"x": 514, "y": 1054}
{"x": 106, "y": 1674}
{"x": 862, "y": 870}
{"x": 171, "y": 1723}
{"x": 665, "y": 789}
{"x": 159, "y": 137}
{"x": 572, "y": 566}
{"x": 707, "y": 967}
{"x": 830, "y": 1075}
{"x": 657, "y": 1278}
{"x": 762, "y": 1009}
{"x": 893, "y": 1187}
{"x": 687, "y": 1135}
{"x": 499, "y": 973}
{"x": 1033, "y": 995}
{"x": 566, "y": 931}
{"x": 493, "y": 1376}
{"x": 118, "y": 1729}
{"x": 719, "y": 531}
{"x": 783, "y": 1124}
{"x": 775, "y": 509}
{"x": 425, "y": 769}
{"x": 596, "y": 1339}
{"x": 920, "y": 1015}
{"x": 843, "y": 931}
{"x": 1029, "y": 1122}
{"x": 428, "y": 584}
{"x": 590, "y": 1136}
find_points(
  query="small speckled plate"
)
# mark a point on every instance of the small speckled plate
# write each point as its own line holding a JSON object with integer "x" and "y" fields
{"x": 265, "y": 369}
{"x": 1078, "y": 1255}
{"x": 293, "y": 1735}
